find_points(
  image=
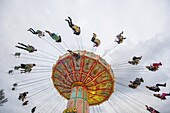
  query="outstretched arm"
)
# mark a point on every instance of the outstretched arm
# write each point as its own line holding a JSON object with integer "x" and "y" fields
{"x": 48, "y": 32}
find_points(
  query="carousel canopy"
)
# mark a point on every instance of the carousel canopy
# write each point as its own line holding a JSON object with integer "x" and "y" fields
{"x": 90, "y": 71}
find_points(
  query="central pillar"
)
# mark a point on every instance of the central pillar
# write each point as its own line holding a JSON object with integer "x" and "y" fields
{"x": 78, "y": 101}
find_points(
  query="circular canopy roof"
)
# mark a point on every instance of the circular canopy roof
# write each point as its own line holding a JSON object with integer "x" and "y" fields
{"x": 91, "y": 70}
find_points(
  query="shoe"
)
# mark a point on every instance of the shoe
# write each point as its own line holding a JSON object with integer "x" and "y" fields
{"x": 142, "y": 79}
{"x": 46, "y": 31}
{"x": 29, "y": 29}
{"x": 69, "y": 18}
{"x": 160, "y": 63}
{"x": 165, "y": 85}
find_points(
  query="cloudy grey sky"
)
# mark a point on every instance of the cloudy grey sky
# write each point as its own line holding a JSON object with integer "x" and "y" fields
{"x": 145, "y": 24}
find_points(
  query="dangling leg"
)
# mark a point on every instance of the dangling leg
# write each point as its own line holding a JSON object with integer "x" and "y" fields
{"x": 117, "y": 41}
{"x": 70, "y": 19}
{"x": 32, "y": 31}
{"x": 118, "y": 36}
{"x": 164, "y": 85}
{"x": 69, "y": 22}
{"x": 16, "y": 67}
{"x": 29, "y": 29}
{"x": 168, "y": 94}
{"x": 92, "y": 39}
{"x": 22, "y": 44}
{"x": 21, "y": 47}
{"x": 148, "y": 87}
{"x": 121, "y": 33}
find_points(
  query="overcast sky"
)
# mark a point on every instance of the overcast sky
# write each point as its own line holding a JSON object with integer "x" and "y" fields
{"x": 145, "y": 24}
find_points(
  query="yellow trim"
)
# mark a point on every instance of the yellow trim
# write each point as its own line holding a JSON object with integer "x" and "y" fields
{"x": 78, "y": 84}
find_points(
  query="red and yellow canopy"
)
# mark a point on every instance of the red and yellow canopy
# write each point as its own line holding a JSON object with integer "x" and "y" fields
{"x": 90, "y": 71}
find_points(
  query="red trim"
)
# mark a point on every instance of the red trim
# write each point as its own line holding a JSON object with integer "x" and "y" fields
{"x": 59, "y": 72}
{"x": 81, "y": 68}
{"x": 63, "y": 86}
{"x": 98, "y": 74}
{"x": 82, "y": 65}
{"x": 72, "y": 64}
{"x": 65, "y": 68}
{"x": 76, "y": 91}
{"x": 91, "y": 68}
{"x": 65, "y": 92}
{"x": 60, "y": 81}
{"x": 62, "y": 77}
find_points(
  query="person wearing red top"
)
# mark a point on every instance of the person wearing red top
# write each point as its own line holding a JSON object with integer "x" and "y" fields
{"x": 162, "y": 96}
{"x": 151, "y": 110}
{"x": 157, "y": 64}
{"x": 154, "y": 66}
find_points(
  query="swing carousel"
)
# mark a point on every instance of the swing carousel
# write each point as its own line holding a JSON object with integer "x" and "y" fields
{"x": 85, "y": 82}
{"x": 83, "y": 78}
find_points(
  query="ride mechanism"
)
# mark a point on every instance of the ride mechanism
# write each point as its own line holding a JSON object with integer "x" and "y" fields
{"x": 85, "y": 82}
